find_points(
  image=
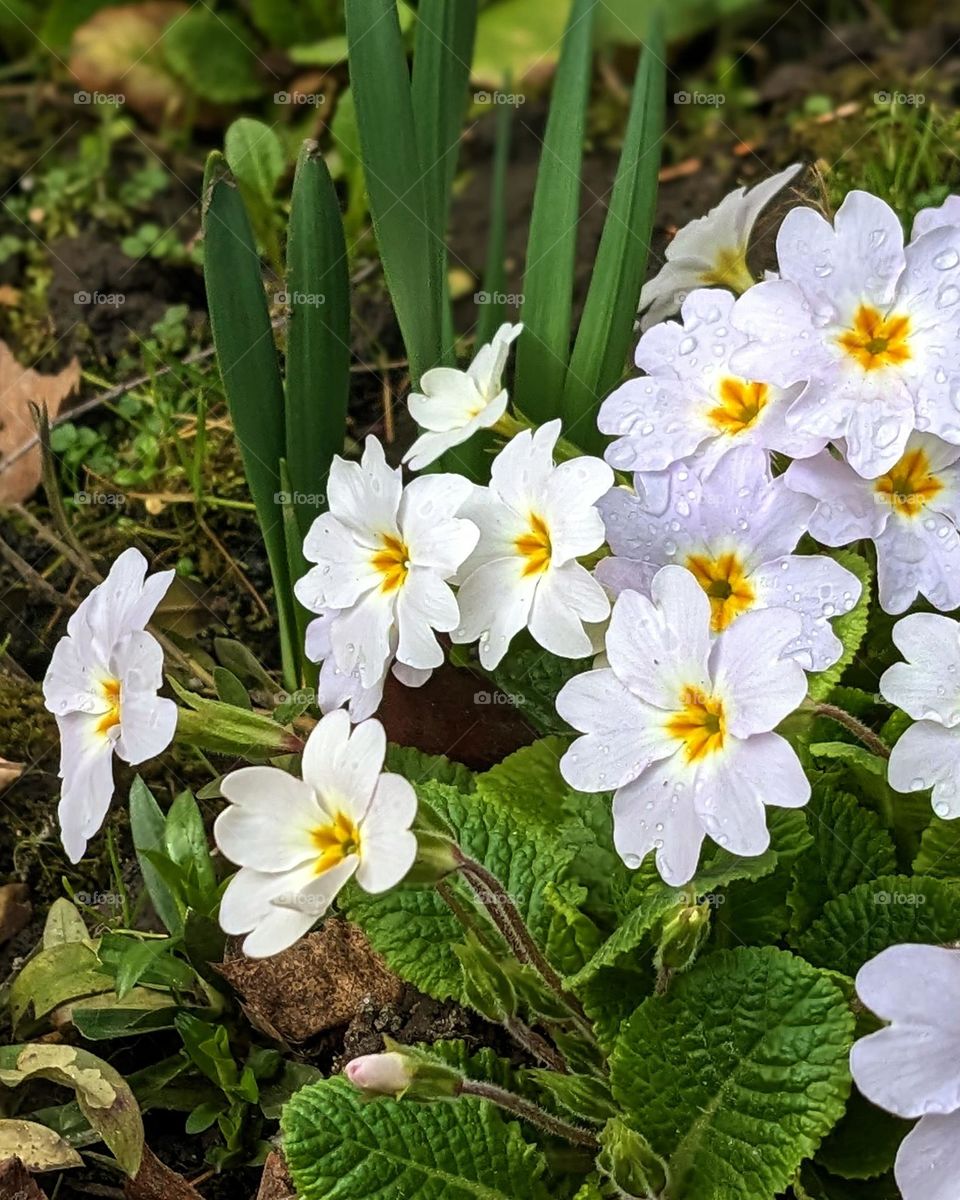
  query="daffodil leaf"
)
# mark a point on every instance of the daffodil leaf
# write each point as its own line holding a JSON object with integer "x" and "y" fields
{"x": 849, "y": 847}
{"x": 336, "y": 1145}
{"x": 850, "y": 627}
{"x": 756, "y": 1072}
{"x": 885, "y": 912}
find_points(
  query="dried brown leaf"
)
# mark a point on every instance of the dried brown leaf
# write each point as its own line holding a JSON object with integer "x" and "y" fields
{"x": 19, "y": 386}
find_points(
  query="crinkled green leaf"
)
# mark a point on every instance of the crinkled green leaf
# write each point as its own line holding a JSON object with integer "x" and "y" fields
{"x": 850, "y": 627}
{"x": 865, "y": 1142}
{"x": 419, "y": 767}
{"x": 850, "y": 846}
{"x": 737, "y": 1072}
{"x": 939, "y": 853}
{"x": 339, "y": 1148}
{"x": 885, "y": 912}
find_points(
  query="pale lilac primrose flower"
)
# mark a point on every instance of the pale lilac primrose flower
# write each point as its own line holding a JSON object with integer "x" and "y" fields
{"x": 102, "y": 687}
{"x": 711, "y": 251}
{"x": 535, "y": 521}
{"x": 691, "y": 401}
{"x": 927, "y": 688}
{"x": 680, "y": 725}
{"x": 298, "y": 841}
{"x": 910, "y": 513}
{"x": 912, "y": 1066}
{"x": 735, "y": 529}
{"x": 384, "y": 554}
{"x": 871, "y": 328}
{"x": 454, "y": 405}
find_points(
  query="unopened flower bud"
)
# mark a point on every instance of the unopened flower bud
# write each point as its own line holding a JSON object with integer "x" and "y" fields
{"x": 387, "y": 1074}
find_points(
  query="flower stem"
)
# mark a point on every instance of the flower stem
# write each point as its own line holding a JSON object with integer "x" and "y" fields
{"x": 528, "y": 1111}
{"x": 535, "y": 1045}
{"x": 863, "y": 732}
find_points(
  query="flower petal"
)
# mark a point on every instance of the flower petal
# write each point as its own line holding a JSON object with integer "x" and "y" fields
{"x": 927, "y": 685}
{"x": 655, "y": 812}
{"x": 759, "y": 687}
{"x": 928, "y": 756}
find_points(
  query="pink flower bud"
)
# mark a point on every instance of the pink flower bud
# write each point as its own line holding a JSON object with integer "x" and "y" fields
{"x": 383, "y": 1074}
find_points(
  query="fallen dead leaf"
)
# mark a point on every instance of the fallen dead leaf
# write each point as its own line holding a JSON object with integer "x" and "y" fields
{"x": 156, "y": 1181}
{"x": 15, "y": 909}
{"x": 10, "y": 772}
{"x": 18, "y": 386}
{"x": 275, "y": 1182}
{"x": 319, "y": 983}
{"x": 9, "y": 296}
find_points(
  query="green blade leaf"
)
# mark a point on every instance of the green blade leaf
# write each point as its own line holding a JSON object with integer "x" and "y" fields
{"x": 494, "y": 276}
{"x": 606, "y": 328}
{"x": 147, "y": 824}
{"x": 756, "y": 1072}
{"x": 318, "y": 341}
{"x": 250, "y": 371}
{"x": 544, "y": 348}
{"x": 339, "y": 1148}
{"x": 411, "y": 253}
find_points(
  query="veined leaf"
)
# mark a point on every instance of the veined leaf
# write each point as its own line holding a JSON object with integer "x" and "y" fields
{"x": 606, "y": 328}
{"x": 340, "y": 1148}
{"x": 544, "y": 349}
{"x": 754, "y": 1075}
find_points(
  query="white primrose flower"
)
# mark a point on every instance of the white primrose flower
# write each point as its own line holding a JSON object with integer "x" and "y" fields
{"x": 298, "y": 841}
{"x": 734, "y": 528}
{"x": 712, "y": 250}
{"x": 680, "y": 725}
{"x": 102, "y": 688}
{"x": 912, "y": 1066}
{"x": 947, "y": 213}
{"x": 455, "y": 404}
{"x": 927, "y": 688}
{"x": 384, "y": 554}
{"x": 910, "y": 513}
{"x": 691, "y": 402}
{"x": 535, "y": 521}
{"x": 871, "y": 328}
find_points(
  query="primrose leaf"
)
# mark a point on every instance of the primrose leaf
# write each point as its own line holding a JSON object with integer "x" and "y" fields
{"x": 336, "y": 1144}
{"x": 850, "y": 846}
{"x": 37, "y": 1147}
{"x": 939, "y": 853}
{"x": 737, "y": 1072}
{"x": 885, "y": 912}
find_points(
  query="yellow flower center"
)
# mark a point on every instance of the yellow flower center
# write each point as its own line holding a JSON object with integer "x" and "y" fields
{"x": 534, "y": 547}
{"x": 909, "y": 485}
{"x": 876, "y": 341}
{"x": 725, "y": 581}
{"x": 110, "y": 689}
{"x": 335, "y": 841}
{"x": 392, "y": 561}
{"x": 699, "y": 723}
{"x": 741, "y": 402}
{"x": 729, "y": 270}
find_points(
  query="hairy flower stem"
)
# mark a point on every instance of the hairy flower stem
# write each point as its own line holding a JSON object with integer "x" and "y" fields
{"x": 503, "y": 912}
{"x": 863, "y": 732}
{"x": 528, "y": 1111}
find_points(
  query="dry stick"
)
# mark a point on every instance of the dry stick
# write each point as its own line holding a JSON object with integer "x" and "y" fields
{"x": 528, "y": 1111}
{"x": 857, "y": 728}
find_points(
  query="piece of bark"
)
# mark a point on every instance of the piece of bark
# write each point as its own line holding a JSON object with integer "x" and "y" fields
{"x": 16, "y": 1182}
{"x": 319, "y": 983}
{"x": 156, "y": 1181}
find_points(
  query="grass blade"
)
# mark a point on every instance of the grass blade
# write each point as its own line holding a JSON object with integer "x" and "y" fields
{"x": 250, "y": 371}
{"x": 606, "y": 328}
{"x": 491, "y": 314}
{"x": 318, "y": 341}
{"x": 411, "y": 255}
{"x": 544, "y": 348}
